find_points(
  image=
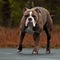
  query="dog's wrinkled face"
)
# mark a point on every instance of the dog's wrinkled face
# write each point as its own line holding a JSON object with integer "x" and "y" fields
{"x": 30, "y": 20}
{"x": 31, "y": 17}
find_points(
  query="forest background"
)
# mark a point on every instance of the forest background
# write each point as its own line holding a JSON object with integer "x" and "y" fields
{"x": 10, "y": 15}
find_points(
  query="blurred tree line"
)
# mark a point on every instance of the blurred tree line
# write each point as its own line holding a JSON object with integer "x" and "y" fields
{"x": 11, "y": 10}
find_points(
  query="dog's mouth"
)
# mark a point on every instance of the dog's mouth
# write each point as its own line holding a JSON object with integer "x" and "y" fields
{"x": 29, "y": 28}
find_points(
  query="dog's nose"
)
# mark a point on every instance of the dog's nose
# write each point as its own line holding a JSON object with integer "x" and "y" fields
{"x": 30, "y": 19}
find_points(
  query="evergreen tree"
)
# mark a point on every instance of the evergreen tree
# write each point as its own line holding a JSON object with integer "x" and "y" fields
{"x": 6, "y": 11}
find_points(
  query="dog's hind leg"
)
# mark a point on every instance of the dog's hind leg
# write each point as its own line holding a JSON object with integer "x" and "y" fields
{"x": 21, "y": 41}
{"x": 48, "y": 33}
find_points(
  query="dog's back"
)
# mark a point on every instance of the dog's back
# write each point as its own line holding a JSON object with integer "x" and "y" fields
{"x": 45, "y": 16}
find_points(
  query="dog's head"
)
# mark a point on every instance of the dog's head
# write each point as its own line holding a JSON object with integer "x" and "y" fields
{"x": 30, "y": 18}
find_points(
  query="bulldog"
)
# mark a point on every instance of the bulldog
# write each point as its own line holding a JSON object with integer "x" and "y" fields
{"x": 34, "y": 21}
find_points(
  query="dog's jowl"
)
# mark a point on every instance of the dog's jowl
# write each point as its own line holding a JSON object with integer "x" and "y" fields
{"x": 34, "y": 21}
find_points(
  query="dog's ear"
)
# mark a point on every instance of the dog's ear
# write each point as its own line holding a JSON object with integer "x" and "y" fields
{"x": 24, "y": 9}
{"x": 37, "y": 10}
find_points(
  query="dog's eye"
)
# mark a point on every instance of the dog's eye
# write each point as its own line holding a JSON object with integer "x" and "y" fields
{"x": 33, "y": 16}
{"x": 26, "y": 15}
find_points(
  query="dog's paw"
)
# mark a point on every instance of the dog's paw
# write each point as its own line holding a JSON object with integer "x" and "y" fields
{"x": 48, "y": 52}
{"x": 19, "y": 49}
{"x": 35, "y": 52}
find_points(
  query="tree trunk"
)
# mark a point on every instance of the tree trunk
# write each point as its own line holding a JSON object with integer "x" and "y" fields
{"x": 6, "y": 11}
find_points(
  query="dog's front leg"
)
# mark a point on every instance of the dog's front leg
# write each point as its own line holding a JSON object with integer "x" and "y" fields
{"x": 36, "y": 37}
{"x": 21, "y": 41}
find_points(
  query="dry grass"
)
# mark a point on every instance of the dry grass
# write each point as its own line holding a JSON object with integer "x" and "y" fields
{"x": 10, "y": 38}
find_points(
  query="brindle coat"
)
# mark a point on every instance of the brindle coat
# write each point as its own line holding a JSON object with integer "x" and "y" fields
{"x": 44, "y": 22}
